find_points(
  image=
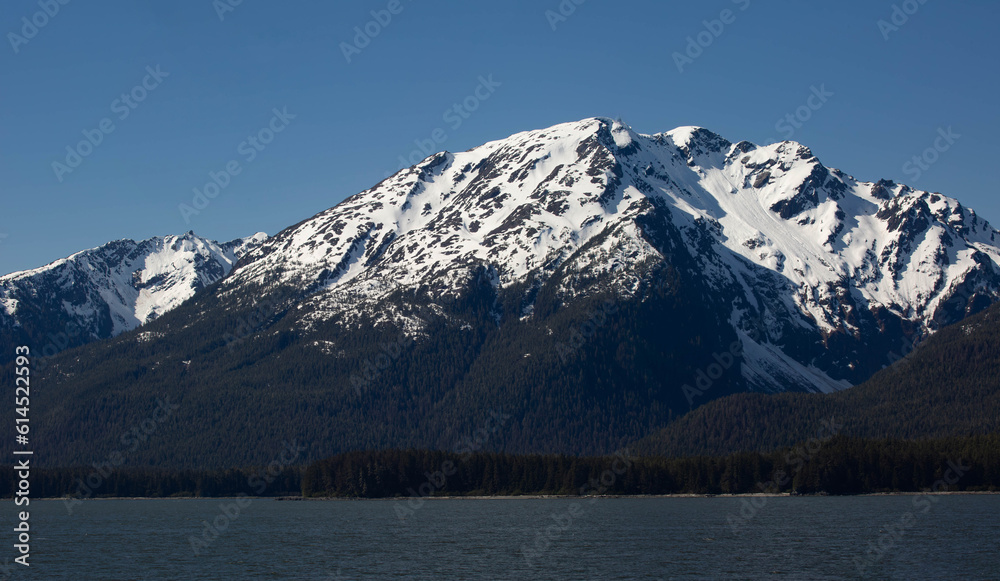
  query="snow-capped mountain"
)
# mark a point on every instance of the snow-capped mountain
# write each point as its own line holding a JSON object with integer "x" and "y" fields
{"x": 589, "y": 282}
{"x": 105, "y": 291}
{"x": 821, "y": 276}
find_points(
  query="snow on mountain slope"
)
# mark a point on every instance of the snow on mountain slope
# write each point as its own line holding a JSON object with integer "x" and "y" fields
{"x": 119, "y": 286}
{"x": 815, "y": 265}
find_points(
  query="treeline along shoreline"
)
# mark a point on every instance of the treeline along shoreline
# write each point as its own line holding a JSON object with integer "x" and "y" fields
{"x": 838, "y": 466}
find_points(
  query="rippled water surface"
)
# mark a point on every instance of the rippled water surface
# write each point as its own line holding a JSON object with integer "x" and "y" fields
{"x": 903, "y": 537}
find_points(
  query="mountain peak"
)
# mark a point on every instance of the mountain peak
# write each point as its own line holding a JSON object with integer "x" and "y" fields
{"x": 805, "y": 264}
{"x": 558, "y": 273}
{"x": 682, "y": 136}
{"x": 581, "y": 199}
{"x": 105, "y": 291}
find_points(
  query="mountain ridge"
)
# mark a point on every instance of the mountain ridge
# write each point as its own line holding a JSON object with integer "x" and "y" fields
{"x": 577, "y": 278}
{"x": 828, "y": 259}
{"x": 104, "y": 291}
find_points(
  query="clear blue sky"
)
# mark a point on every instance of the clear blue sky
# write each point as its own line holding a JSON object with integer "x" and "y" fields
{"x": 354, "y": 120}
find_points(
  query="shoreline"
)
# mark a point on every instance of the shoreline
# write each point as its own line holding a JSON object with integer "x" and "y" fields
{"x": 530, "y": 496}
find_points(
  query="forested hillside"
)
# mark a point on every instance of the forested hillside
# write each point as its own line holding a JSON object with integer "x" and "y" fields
{"x": 948, "y": 386}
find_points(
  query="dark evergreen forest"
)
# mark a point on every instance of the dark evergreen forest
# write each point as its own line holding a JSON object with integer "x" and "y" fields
{"x": 835, "y": 465}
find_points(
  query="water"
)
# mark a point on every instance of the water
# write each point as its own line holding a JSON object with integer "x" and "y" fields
{"x": 665, "y": 538}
